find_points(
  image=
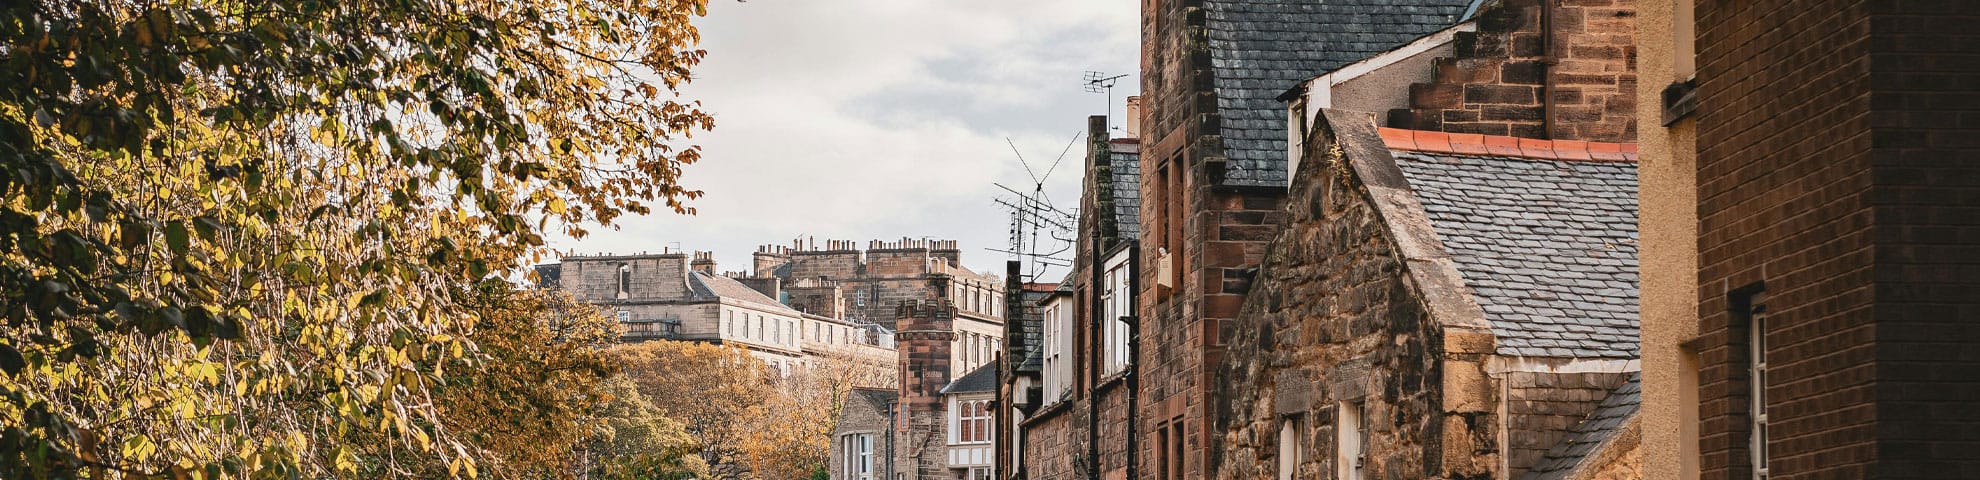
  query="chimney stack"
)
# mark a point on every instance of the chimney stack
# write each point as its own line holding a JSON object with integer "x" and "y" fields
{"x": 1133, "y": 117}
{"x": 704, "y": 262}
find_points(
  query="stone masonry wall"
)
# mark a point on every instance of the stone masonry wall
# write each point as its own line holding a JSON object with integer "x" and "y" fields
{"x": 860, "y": 416}
{"x": 1054, "y": 442}
{"x": 1581, "y": 53}
{"x": 923, "y": 344}
{"x": 1332, "y": 318}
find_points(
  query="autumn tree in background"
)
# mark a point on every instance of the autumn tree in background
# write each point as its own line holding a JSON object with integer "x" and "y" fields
{"x": 634, "y": 441}
{"x": 791, "y": 436}
{"x": 538, "y": 390}
{"x": 714, "y": 391}
{"x": 256, "y": 239}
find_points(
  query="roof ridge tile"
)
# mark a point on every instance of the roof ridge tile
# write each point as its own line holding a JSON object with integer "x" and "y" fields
{"x": 1506, "y": 146}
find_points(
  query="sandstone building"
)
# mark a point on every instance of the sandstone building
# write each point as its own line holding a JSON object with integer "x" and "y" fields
{"x": 1810, "y": 199}
{"x": 670, "y": 296}
{"x": 1440, "y": 306}
{"x": 837, "y": 279}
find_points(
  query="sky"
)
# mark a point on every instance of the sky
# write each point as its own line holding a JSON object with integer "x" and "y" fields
{"x": 882, "y": 119}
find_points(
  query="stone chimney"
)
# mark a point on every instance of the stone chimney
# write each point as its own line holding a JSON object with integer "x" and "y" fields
{"x": 1133, "y": 120}
{"x": 922, "y": 338}
{"x": 704, "y": 262}
{"x": 768, "y": 258}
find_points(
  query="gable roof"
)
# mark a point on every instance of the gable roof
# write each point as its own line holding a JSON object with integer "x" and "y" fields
{"x": 1548, "y": 247}
{"x": 983, "y": 379}
{"x": 1588, "y": 438}
{"x": 1259, "y": 48}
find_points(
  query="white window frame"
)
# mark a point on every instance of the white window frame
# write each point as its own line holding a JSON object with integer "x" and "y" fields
{"x": 1116, "y": 302}
{"x": 858, "y": 456}
{"x": 1292, "y": 445}
{"x": 972, "y": 413}
{"x": 1351, "y": 440}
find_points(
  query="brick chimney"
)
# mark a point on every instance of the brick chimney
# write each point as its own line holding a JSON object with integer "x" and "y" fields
{"x": 1535, "y": 69}
{"x": 923, "y": 335}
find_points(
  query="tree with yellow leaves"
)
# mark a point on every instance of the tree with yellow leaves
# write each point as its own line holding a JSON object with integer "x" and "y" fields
{"x": 713, "y": 390}
{"x": 256, "y": 239}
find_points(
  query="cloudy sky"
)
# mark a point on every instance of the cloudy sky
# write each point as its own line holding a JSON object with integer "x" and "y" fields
{"x": 882, "y": 119}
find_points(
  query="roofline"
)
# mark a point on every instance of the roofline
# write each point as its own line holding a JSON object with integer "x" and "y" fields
{"x": 1504, "y": 146}
{"x": 1407, "y": 226}
{"x": 1378, "y": 61}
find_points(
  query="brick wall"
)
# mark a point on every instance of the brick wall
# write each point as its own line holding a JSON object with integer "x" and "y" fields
{"x": 1834, "y": 174}
{"x": 1783, "y": 171}
{"x": 1925, "y": 123}
{"x": 1579, "y": 53}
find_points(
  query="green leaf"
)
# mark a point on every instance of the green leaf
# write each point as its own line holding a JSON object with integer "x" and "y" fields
{"x": 175, "y": 237}
{"x": 11, "y": 360}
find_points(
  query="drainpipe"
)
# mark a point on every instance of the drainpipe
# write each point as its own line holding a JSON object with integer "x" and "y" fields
{"x": 1134, "y": 357}
{"x": 1093, "y": 361}
{"x": 1547, "y": 60}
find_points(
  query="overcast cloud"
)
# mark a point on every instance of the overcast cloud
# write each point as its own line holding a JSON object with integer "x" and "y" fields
{"x": 878, "y": 119}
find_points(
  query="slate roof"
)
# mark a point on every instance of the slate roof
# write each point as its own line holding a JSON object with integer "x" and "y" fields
{"x": 1548, "y": 247}
{"x": 880, "y": 398}
{"x": 1125, "y": 160}
{"x": 983, "y": 379}
{"x": 713, "y": 287}
{"x": 1033, "y": 329}
{"x": 548, "y": 275}
{"x": 1583, "y": 441}
{"x": 1260, "y": 48}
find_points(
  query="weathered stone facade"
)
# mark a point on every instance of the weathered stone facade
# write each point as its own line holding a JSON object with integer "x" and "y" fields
{"x": 1342, "y": 314}
{"x": 874, "y": 280}
{"x": 1364, "y": 305}
{"x": 867, "y": 412}
{"x": 924, "y": 332}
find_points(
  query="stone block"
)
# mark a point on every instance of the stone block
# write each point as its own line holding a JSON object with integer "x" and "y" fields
{"x": 1466, "y": 388}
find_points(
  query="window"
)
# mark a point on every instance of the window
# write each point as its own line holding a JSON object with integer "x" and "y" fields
{"x": 1178, "y": 463}
{"x": 625, "y": 281}
{"x": 625, "y": 316}
{"x": 1757, "y": 347}
{"x": 980, "y": 473}
{"x": 1116, "y": 304}
{"x": 858, "y": 460}
{"x": 970, "y": 420}
{"x": 1292, "y": 445}
{"x": 729, "y": 322}
{"x": 776, "y": 330}
{"x": 1058, "y": 348}
{"x": 1351, "y": 441}
{"x": 759, "y": 328}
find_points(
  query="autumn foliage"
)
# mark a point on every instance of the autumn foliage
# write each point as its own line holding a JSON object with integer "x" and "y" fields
{"x": 271, "y": 239}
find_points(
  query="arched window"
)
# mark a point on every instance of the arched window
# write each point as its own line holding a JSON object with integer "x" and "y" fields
{"x": 625, "y": 281}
